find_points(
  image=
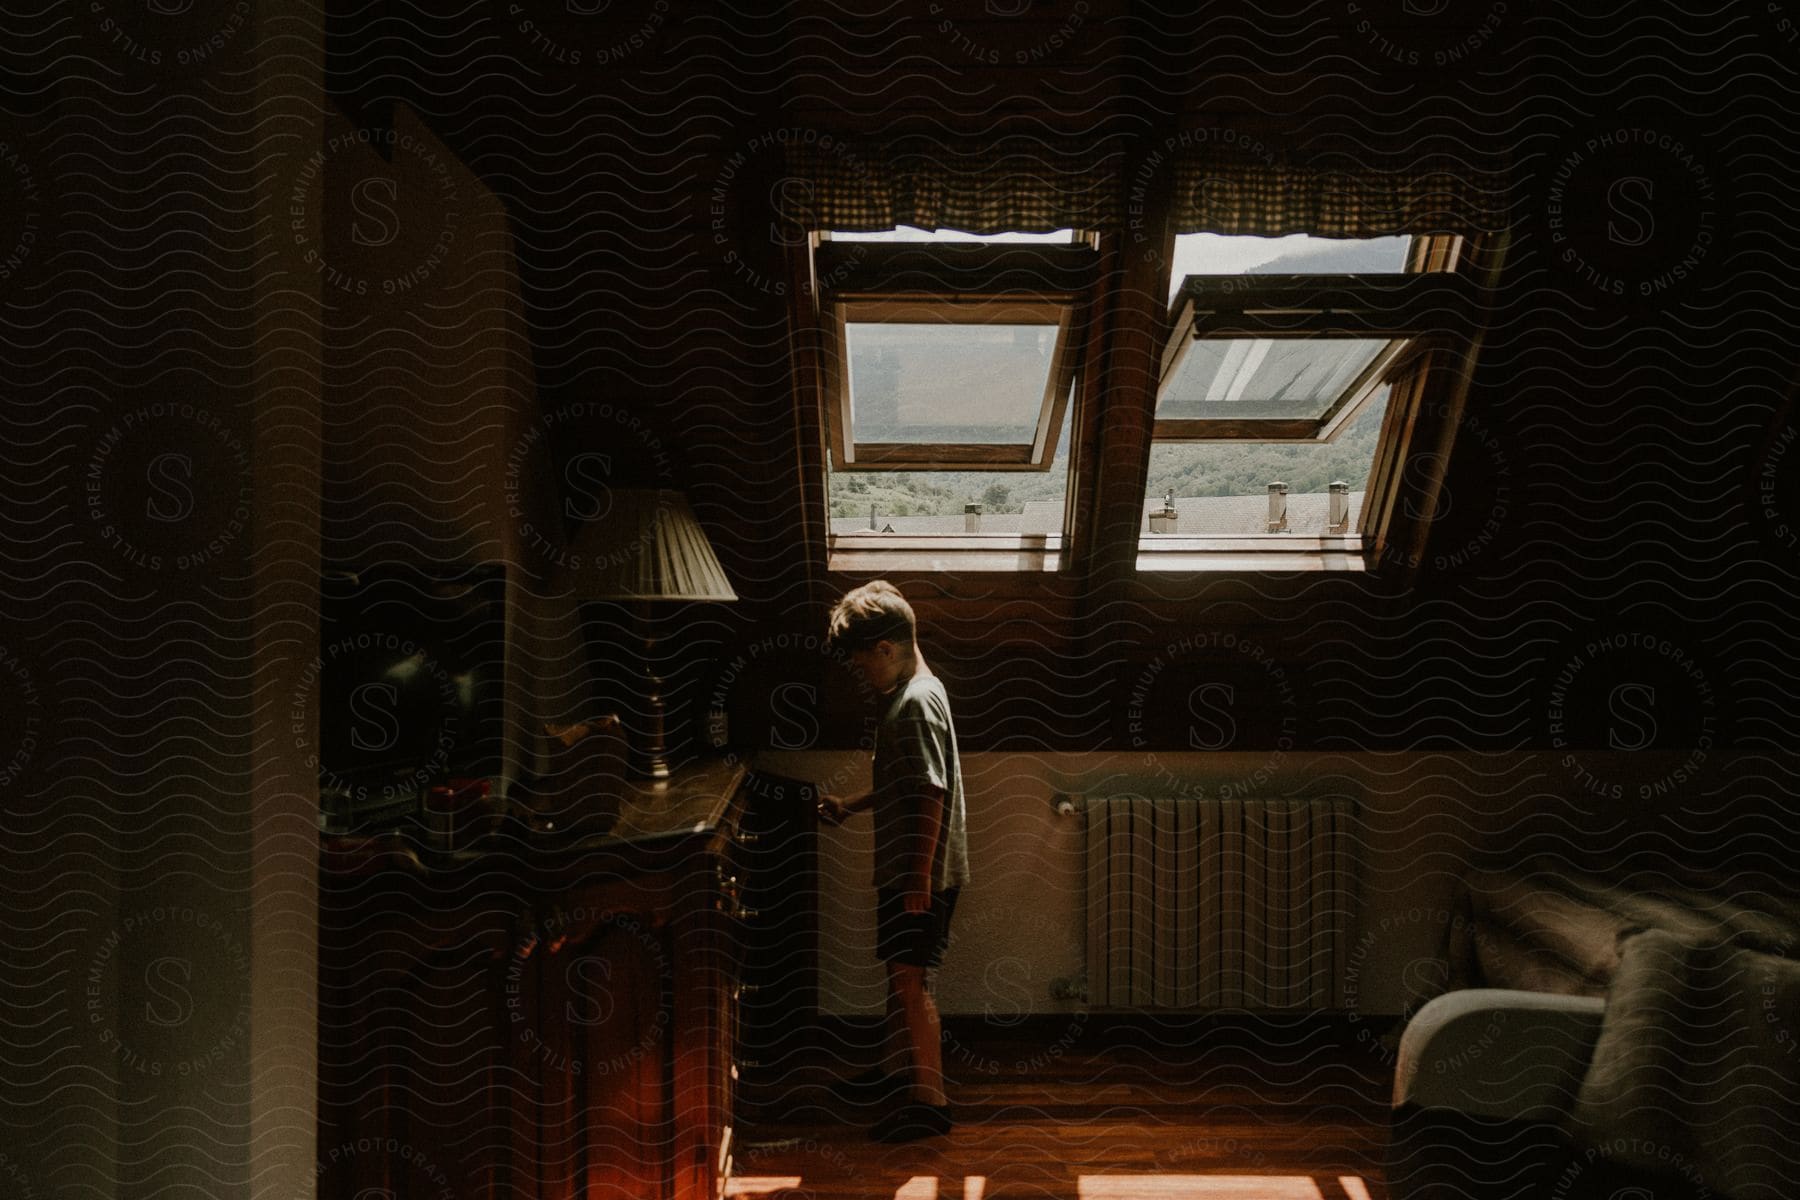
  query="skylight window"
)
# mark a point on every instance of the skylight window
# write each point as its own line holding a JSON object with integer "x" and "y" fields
{"x": 1281, "y": 361}
{"x": 1265, "y": 379}
{"x": 947, "y": 351}
{"x": 907, "y": 233}
{"x": 1296, "y": 254}
{"x": 954, "y": 375}
{"x": 1285, "y": 338}
{"x": 1288, "y": 358}
{"x": 912, "y": 381}
{"x": 937, "y": 384}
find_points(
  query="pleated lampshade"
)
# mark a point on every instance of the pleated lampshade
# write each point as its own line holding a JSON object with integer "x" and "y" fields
{"x": 647, "y": 546}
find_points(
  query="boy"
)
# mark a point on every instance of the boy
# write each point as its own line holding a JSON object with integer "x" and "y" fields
{"x": 921, "y": 850}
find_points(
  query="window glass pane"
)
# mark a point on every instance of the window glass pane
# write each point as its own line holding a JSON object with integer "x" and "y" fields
{"x": 906, "y": 233}
{"x": 1263, "y": 378}
{"x": 932, "y": 501}
{"x": 944, "y": 383}
{"x": 1295, "y": 254}
{"x": 1223, "y": 487}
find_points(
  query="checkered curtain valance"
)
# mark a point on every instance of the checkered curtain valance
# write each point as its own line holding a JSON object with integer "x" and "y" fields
{"x": 1234, "y": 192}
{"x": 1013, "y": 184}
{"x": 1028, "y": 184}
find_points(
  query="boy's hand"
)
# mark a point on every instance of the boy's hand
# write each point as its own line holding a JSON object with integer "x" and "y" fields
{"x": 832, "y": 809}
{"x": 917, "y": 900}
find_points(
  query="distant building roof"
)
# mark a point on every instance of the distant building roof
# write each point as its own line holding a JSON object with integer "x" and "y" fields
{"x": 1041, "y": 516}
{"x": 1306, "y": 513}
{"x": 1198, "y": 515}
{"x": 990, "y": 523}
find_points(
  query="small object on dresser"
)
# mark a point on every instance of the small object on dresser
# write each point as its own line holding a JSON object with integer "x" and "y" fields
{"x": 582, "y": 784}
{"x": 452, "y": 814}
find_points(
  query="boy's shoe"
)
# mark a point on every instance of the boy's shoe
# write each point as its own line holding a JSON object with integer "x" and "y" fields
{"x": 912, "y": 1121}
{"x": 871, "y": 1085}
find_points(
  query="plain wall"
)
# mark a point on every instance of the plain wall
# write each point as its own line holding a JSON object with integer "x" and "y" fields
{"x": 1425, "y": 821}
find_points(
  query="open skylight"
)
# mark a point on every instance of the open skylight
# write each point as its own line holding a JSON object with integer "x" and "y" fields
{"x": 918, "y": 382}
{"x": 1295, "y": 254}
{"x": 1315, "y": 326}
{"x": 1264, "y": 379}
{"x": 927, "y": 383}
{"x": 907, "y": 233}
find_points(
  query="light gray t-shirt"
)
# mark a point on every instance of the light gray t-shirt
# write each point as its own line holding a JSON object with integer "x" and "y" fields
{"x": 916, "y": 744}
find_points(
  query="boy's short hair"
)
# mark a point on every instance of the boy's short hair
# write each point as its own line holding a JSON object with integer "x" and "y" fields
{"x": 872, "y": 613}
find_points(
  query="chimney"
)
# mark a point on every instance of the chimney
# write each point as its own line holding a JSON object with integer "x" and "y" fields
{"x": 971, "y": 518}
{"x": 1167, "y": 520}
{"x": 1337, "y": 518}
{"x": 872, "y": 525}
{"x": 1278, "y": 507}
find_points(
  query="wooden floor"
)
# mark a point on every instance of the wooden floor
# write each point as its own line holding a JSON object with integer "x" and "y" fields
{"x": 1088, "y": 1108}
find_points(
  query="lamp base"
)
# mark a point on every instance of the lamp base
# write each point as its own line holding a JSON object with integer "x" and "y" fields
{"x": 655, "y": 763}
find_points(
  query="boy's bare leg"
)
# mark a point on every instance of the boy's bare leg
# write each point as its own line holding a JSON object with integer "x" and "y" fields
{"x": 924, "y": 1032}
{"x": 896, "y": 1048}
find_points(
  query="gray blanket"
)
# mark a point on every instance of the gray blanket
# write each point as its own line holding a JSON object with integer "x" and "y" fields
{"x": 1697, "y": 1070}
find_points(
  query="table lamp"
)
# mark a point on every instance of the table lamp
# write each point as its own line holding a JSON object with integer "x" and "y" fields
{"x": 647, "y": 548}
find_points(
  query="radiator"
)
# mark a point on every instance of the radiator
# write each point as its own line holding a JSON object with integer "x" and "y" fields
{"x": 1213, "y": 903}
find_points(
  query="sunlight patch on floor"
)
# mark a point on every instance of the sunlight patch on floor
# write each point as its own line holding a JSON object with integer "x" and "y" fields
{"x": 1104, "y": 1187}
{"x": 1198, "y": 1187}
{"x": 760, "y": 1185}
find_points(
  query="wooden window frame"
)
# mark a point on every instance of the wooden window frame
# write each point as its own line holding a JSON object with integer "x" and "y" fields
{"x": 1402, "y": 307}
{"x": 829, "y": 274}
{"x": 1432, "y": 315}
{"x": 1107, "y": 280}
{"x": 940, "y": 309}
{"x": 1339, "y": 411}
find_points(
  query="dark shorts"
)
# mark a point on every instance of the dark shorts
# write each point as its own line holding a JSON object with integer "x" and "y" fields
{"x": 913, "y": 939}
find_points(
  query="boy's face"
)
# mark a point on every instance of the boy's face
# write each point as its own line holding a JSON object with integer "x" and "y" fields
{"x": 879, "y": 664}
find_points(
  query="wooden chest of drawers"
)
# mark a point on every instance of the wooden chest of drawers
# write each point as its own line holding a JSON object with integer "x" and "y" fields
{"x": 551, "y": 1021}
